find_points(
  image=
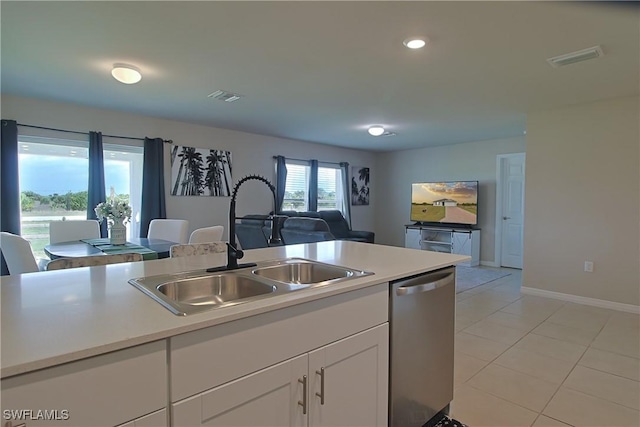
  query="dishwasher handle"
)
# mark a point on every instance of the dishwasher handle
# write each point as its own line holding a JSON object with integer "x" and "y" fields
{"x": 424, "y": 287}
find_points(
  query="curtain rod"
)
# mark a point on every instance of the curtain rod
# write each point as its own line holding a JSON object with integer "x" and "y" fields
{"x": 306, "y": 160}
{"x": 168, "y": 141}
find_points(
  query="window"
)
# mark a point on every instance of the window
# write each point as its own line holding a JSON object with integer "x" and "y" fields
{"x": 54, "y": 175}
{"x": 296, "y": 190}
{"x": 296, "y": 195}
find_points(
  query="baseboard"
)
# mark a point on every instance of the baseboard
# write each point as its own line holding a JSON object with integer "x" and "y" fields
{"x": 618, "y": 306}
{"x": 489, "y": 264}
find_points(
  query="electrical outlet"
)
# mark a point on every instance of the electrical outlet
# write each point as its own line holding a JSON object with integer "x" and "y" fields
{"x": 588, "y": 266}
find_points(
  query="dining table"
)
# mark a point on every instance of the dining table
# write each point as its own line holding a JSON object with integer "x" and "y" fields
{"x": 149, "y": 248}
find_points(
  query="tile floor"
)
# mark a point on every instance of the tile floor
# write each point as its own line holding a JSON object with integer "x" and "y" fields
{"x": 522, "y": 360}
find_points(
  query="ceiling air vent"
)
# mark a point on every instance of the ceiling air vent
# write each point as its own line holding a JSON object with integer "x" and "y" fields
{"x": 577, "y": 56}
{"x": 225, "y": 96}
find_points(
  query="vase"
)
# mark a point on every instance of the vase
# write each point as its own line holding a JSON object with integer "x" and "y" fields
{"x": 117, "y": 232}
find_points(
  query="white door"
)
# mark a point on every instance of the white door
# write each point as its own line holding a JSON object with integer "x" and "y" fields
{"x": 266, "y": 398}
{"x": 354, "y": 371}
{"x": 511, "y": 212}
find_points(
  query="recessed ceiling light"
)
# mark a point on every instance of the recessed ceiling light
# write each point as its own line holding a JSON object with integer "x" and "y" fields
{"x": 415, "y": 42}
{"x": 376, "y": 130}
{"x": 127, "y": 74}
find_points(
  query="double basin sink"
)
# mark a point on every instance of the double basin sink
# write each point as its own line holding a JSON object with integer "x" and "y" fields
{"x": 197, "y": 291}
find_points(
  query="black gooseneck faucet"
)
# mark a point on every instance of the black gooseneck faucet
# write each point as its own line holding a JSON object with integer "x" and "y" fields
{"x": 233, "y": 253}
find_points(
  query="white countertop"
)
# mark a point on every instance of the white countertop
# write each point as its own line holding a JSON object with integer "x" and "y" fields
{"x": 54, "y": 317}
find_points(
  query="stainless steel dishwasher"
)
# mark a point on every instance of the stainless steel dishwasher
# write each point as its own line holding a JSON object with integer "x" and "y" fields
{"x": 422, "y": 317}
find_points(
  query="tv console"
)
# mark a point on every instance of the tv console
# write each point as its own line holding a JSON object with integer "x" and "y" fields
{"x": 454, "y": 240}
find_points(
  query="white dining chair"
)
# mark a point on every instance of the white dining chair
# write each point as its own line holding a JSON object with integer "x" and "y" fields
{"x": 70, "y": 230}
{"x": 207, "y": 234}
{"x": 92, "y": 260}
{"x": 17, "y": 253}
{"x": 173, "y": 230}
{"x": 198, "y": 249}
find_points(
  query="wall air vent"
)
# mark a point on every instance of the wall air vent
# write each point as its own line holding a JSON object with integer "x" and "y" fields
{"x": 225, "y": 96}
{"x": 577, "y": 56}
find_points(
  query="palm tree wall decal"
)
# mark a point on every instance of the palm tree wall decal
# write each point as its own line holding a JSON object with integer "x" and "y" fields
{"x": 191, "y": 177}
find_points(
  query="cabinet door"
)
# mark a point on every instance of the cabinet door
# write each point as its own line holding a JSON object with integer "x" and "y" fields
{"x": 412, "y": 238}
{"x": 265, "y": 398}
{"x": 156, "y": 419}
{"x": 355, "y": 372}
{"x": 467, "y": 243}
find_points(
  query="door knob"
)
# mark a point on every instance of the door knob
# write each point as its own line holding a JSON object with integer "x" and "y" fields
{"x": 506, "y": 217}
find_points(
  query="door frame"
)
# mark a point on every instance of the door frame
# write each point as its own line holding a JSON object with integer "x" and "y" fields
{"x": 500, "y": 163}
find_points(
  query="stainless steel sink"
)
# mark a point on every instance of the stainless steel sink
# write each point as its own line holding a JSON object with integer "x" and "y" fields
{"x": 214, "y": 290}
{"x": 301, "y": 271}
{"x": 197, "y": 291}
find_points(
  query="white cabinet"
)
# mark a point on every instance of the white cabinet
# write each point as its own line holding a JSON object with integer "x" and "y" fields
{"x": 340, "y": 384}
{"x": 156, "y": 419}
{"x": 354, "y": 371}
{"x": 438, "y": 239}
{"x": 266, "y": 398}
{"x": 105, "y": 390}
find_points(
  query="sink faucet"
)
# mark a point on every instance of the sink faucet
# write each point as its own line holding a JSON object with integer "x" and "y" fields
{"x": 233, "y": 253}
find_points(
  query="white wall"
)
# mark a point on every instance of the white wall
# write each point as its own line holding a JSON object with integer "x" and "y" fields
{"x": 583, "y": 200}
{"x": 460, "y": 162}
{"x": 251, "y": 154}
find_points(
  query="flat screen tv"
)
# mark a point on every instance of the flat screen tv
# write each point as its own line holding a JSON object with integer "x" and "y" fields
{"x": 454, "y": 202}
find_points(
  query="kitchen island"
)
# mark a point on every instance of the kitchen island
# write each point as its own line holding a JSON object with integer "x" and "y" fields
{"x": 69, "y": 330}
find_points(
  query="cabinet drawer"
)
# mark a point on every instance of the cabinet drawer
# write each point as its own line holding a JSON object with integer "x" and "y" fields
{"x": 105, "y": 390}
{"x": 207, "y": 358}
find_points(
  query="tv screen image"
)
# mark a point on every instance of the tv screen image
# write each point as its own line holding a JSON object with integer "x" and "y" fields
{"x": 453, "y": 202}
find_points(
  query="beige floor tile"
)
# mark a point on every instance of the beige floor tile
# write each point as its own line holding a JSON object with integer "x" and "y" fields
{"x": 566, "y": 333}
{"x": 606, "y": 386}
{"x": 581, "y": 317}
{"x": 522, "y": 323}
{"x": 521, "y": 389}
{"x": 544, "y": 421}
{"x": 552, "y": 347}
{"x": 465, "y": 367}
{"x": 471, "y": 311}
{"x": 625, "y": 341}
{"x": 495, "y": 331}
{"x": 463, "y": 322}
{"x": 495, "y": 300}
{"x": 531, "y": 306}
{"x": 481, "y": 348}
{"x": 624, "y": 366}
{"x": 535, "y": 364}
{"x": 479, "y": 409}
{"x": 625, "y": 320}
{"x": 579, "y": 409}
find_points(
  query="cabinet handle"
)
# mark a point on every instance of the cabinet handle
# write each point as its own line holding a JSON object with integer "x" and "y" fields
{"x": 506, "y": 217}
{"x": 303, "y": 381}
{"x": 321, "y": 394}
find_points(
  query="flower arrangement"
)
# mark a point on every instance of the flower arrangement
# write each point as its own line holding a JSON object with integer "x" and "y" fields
{"x": 113, "y": 211}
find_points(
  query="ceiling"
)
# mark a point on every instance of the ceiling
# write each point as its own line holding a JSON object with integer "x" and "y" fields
{"x": 325, "y": 71}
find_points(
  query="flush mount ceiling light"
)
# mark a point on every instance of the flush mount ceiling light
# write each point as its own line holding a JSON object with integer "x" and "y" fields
{"x": 577, "y": 56}
{"x": 376, "y": 130}
{"x": 415, "y": 42}
{"x": 127, "y": 74}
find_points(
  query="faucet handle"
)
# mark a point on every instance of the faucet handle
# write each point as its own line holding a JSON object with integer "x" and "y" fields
{"x": 235, "y": 252}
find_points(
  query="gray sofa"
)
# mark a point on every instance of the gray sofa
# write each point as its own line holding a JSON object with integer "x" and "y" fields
{"x": 337, "y": 225}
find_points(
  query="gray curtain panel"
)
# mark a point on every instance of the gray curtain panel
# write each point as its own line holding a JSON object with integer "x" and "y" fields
{"x": 96, "y": 191}
{"x": 346, "y": 191}
{"x": 153, "y": 195}
{"x": 313, "y": 186}
{"x": 10, "y": 206}
{"x": 281, "y": 182}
